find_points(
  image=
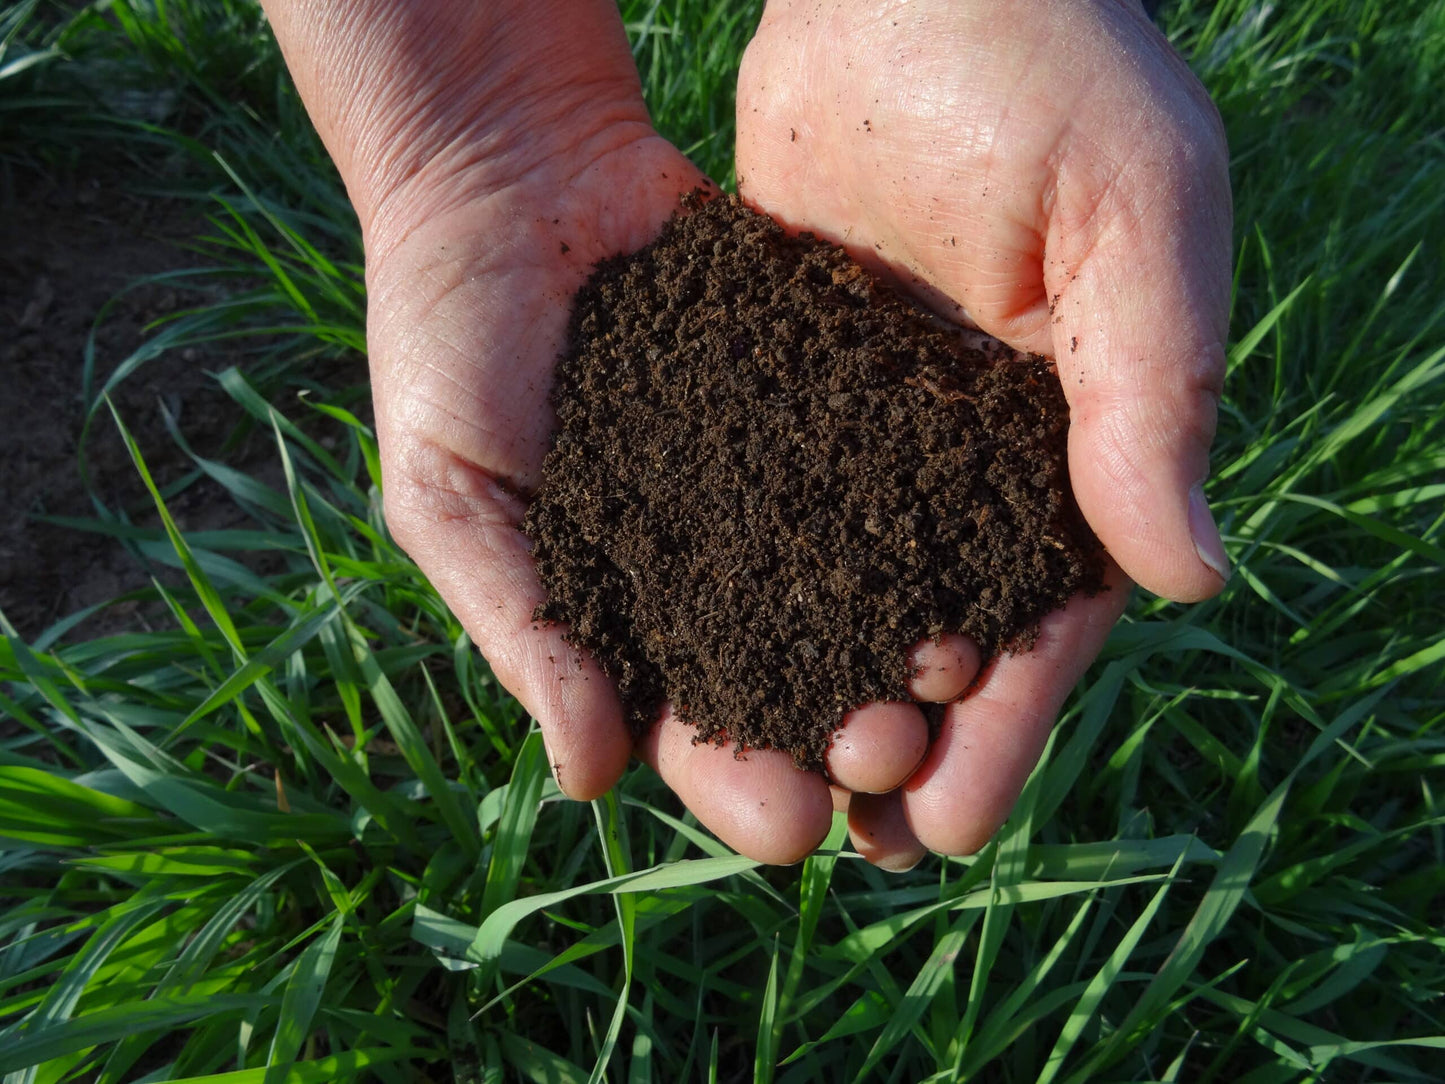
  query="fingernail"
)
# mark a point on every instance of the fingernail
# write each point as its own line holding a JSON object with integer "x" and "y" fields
{"x": 1207, "y": 542}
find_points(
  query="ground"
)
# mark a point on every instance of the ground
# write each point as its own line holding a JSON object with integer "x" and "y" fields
{"x": 69, "y": 245}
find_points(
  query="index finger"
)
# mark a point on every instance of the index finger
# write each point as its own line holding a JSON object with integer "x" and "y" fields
{"x": 991, "y": 739}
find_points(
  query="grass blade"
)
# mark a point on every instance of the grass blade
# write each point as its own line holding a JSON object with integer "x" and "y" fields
{"x": 301, "y": 999}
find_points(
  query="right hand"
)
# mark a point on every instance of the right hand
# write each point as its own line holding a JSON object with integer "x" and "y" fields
{"x": 468, "y": 315}
{"x": 491, "y": 167}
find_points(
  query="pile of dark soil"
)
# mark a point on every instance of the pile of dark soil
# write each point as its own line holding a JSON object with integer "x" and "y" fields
{"x": 773, "y": 476}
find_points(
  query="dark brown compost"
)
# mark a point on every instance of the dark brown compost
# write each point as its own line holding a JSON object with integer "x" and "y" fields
{"x": 773, "y": 476}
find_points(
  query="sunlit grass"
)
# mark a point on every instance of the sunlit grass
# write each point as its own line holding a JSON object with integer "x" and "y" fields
{"x": 294, "y": 830}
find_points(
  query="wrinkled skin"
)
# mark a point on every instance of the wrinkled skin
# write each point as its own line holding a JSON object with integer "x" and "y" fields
{"x": 1065, "y": 148}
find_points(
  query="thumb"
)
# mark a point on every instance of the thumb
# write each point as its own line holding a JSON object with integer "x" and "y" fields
{"x": 1139, "y": 296}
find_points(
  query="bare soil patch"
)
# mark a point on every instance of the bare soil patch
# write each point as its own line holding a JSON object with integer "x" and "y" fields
{"x": 67, "y": 248}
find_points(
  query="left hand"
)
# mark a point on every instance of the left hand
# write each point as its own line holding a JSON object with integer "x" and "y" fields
{"x": 1050, "y": 172}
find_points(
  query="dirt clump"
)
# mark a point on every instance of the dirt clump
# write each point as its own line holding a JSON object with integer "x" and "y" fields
{"x": 773, "y": 476}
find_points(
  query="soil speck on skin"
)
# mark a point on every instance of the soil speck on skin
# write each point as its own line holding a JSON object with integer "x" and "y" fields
{"x": 773, "y": 477}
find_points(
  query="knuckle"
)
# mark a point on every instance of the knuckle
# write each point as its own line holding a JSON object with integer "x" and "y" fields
{"x": 403, "y": 499}
{"x": 426, "y": 484}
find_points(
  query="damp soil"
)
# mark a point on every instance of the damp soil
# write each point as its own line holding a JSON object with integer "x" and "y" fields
{"x": 773, "y": 475}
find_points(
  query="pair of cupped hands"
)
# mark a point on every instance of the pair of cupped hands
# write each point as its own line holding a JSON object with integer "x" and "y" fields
{"x": 1048, "y": 171}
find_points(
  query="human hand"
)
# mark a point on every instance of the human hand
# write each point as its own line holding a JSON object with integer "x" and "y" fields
{"x": 491, "y": 168}
{"x": 460, "y": 459}
{"x": 1051, "y": 172}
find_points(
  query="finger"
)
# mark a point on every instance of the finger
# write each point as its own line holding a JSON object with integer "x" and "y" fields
{"x": 991, "y": 740}
{"x": 1137, "y": 268}
{"x": 759, "y": 804}
{"x": 942, "y": 669}
{"x": 460, "y": 527}
{"x": 877, "y": 747}
{"x": 880, "y": 832}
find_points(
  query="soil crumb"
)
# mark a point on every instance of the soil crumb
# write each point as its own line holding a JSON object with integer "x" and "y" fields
{"x": 773, "y": 476}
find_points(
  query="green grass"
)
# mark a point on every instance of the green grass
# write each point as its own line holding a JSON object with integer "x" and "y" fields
{"x": 296, "y": 832}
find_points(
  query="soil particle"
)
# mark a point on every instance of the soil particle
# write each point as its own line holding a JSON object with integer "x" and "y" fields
{"x": 773, "y": 476}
